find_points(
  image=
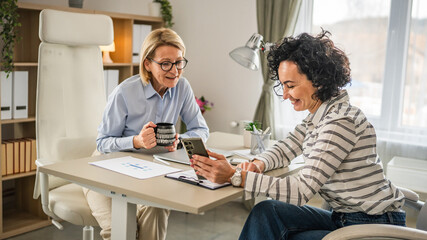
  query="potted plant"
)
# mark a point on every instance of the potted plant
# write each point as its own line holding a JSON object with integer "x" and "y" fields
{"x": 9, "y": 23}
{"x": 249, "y": 127}
{"x": 204, "y": 106}
{"x": 166, "y": 11}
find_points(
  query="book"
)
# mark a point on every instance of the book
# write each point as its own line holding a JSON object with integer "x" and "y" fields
{"x": 190, "y": 177}
{"x": 9, "y": 157}
{"x": 27, "y": 155}
{"x": 3, "y": 159}
{"x": 33, "y": 154}
{"x": 15, "y": 156}
{"x": 21, "y": 155}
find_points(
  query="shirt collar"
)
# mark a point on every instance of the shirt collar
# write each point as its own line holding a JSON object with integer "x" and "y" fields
{"x": 150, "y": 92}
{"x": 316, "y": 117}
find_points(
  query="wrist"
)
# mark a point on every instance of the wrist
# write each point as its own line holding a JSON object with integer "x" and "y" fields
{"x": 244, "y": 173}
{"x": 233, "y": 170}
{"x": 260, "y": 164}
{"x": 135, "y": 142}
{"x": 236, "y": 179}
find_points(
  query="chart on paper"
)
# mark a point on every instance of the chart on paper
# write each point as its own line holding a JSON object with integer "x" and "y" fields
{"x": 135, "y": 167}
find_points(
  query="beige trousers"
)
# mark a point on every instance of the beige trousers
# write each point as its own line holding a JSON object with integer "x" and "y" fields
{"x": 152, "y": 222}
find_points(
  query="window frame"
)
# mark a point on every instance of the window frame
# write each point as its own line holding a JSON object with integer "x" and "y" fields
{"x": 388, "y": 124}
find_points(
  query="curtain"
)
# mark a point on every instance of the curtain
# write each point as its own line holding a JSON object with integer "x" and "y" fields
{"x": 276, "y": 19}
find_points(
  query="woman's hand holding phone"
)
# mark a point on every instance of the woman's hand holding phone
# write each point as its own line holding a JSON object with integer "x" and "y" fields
{"x": 216, "y": 170}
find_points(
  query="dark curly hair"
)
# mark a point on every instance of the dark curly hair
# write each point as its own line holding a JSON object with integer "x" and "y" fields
{"x": 326, "y": 66}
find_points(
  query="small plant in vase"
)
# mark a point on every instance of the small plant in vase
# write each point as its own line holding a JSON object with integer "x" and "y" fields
{"x": 204, "y": 104}
{"x": 249, "y": 127}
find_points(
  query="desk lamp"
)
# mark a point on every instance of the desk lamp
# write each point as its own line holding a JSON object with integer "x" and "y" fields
{"x": 248, "y": 56}
{"x": 106, "y": 52}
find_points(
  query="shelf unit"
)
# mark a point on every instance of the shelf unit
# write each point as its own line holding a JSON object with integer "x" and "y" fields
{"x": 20, "y": 213}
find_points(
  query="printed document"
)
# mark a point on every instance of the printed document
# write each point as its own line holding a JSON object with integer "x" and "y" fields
{"x": 135, "y": 167}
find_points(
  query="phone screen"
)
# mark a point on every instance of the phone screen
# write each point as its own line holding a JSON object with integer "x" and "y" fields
{"x": 195, "y": 146}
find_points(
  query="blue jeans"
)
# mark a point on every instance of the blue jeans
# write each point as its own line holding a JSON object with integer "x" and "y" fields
{"x": 273, "y": 219}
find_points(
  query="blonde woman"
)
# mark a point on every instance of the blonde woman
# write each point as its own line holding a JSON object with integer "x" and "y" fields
{"x": 157, "y": 94}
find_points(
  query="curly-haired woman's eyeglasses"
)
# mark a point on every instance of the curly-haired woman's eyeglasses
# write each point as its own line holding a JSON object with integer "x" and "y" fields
{"x": 167, "y": 66}
{"x": 278, "y": 89}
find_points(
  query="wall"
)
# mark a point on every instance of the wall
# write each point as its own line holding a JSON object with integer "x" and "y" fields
{"x": 210, "y": 30}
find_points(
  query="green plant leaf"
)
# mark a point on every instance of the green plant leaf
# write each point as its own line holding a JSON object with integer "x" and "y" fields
{"x": 9, "y": 24}
{"x": 251, "y": 125}
{"x": 166, "y": 10}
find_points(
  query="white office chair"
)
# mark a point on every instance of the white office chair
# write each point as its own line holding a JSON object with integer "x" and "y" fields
{"x": 70, "y": 103}
{"x": 387, "y": 231}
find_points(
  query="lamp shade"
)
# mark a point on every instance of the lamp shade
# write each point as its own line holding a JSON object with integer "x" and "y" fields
{"x": 248, "y": 56}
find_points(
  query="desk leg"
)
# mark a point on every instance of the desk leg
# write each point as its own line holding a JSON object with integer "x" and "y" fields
{"x": 123, "y": 224}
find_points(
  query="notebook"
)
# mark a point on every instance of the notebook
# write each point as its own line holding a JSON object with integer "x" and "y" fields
{"x": 179, "y": 156}
{"x": 189, "y": 176}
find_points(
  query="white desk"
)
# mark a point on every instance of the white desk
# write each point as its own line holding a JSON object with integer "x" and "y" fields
{"x": 161, "y": 192}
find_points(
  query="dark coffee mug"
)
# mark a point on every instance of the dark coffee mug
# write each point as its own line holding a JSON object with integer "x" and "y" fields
{"x": 165, "y": 134}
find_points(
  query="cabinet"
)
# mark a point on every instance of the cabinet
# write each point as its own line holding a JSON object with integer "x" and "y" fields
{"x": 20, "y": 212}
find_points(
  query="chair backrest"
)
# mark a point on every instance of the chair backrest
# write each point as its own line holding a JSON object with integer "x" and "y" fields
{"x": 70, "y": 86}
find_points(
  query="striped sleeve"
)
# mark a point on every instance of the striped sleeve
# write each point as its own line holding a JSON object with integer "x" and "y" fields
{"x": 282, "y": 153}
{"x": 332, "y": 143}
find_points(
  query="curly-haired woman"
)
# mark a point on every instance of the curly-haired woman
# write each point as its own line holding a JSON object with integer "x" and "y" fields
{"x": 338, "y": 145}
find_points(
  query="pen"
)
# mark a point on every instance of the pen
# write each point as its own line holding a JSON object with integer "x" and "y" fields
{"x": 162, "y": 161}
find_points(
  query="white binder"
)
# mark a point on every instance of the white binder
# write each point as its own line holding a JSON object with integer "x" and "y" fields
{"x": 20, "y": 94}
{"x": 136, "y": 43}
{"x": 6, "y": 95}
{"x": 111, "y": 78}
{"x": 140, "y": 32}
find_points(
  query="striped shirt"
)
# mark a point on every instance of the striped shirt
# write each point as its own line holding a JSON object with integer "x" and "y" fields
{"x": 338, "y": 145}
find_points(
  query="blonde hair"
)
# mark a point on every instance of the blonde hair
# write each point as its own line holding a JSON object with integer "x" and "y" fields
{"x": 157, "y": 38}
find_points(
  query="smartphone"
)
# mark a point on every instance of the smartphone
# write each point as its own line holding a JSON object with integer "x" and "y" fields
{"x": 195, "y": 146}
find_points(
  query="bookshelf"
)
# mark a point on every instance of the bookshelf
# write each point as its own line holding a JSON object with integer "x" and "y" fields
{"x": 20, "y": 213}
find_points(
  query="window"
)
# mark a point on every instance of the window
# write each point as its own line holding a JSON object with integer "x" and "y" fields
{"x": 359, "y": 27}
{"x": 414, "y": 112}
{"x": 386, "y": 42}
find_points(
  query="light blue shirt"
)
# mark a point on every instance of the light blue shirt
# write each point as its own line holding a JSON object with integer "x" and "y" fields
{"x": 132, "y": 105}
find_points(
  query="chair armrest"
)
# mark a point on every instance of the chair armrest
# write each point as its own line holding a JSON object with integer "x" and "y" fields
{"x": 369, "y": 231}
{"x": 64, "y": 149}
{"x": 39, "y": 163}
{"x": 422, "y": 217}
{"x": 41, "y": 188}
{"x": 43, "y": 162}
{"x": 53, "y": 182}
